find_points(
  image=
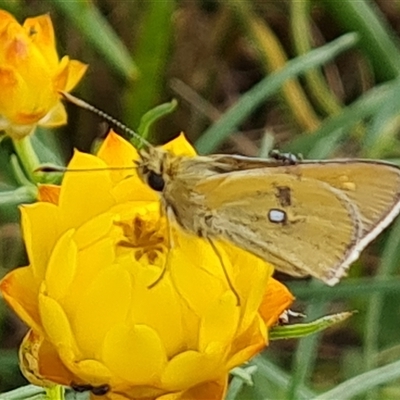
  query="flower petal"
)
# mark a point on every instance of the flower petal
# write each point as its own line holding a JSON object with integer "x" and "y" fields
{"x": 19, "y": 289}
{"x": 84, "y": 194}
{"x": 40, "y": 362}
{"x": 276, "y": 300}
{"x": 214, "y": 390}
{"x": 39, "y": 238}
{"x": 135, "y": 353}
{"x": 198, "y": 367}
{"x": 40, "y": 31}
{"x": 62, "y": 266}
{"x": 97, "y": 308}
{"x": 220, "y": 322}
{"x": 49, "y": 193}
{"x": 180, "y": 147}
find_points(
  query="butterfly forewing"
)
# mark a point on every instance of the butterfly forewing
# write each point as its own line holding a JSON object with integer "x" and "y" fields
{"x": 311, "y": 218}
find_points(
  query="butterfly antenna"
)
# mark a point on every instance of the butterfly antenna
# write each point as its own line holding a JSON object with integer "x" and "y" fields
{"x": 86, "y": 106}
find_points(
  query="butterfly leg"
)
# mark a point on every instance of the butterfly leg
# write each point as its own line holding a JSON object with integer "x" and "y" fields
{"x": 285, "y": 158}
{"x": 228, "y": 279}
{"x": 170, "y": 240}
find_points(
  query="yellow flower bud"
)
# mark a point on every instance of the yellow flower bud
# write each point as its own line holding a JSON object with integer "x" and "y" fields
{"x": 96, "y": 246}
{"x": 31, "y": 75}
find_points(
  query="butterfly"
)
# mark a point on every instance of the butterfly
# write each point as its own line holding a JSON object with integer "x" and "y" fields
{"x": 304, "y": 217}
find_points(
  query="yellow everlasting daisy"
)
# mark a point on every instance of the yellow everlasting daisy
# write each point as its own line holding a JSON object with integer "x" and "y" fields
{"x": 31, "y": 75}
{"x": 96, "y": 245}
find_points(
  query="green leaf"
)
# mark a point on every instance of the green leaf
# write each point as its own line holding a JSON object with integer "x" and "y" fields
{"x": 154, "y": 115}
{"x": 97, "y": 31}
{"x": 29, "y": 392}
{"x": 307, "y": 328}
{"x": 378, "y": 40}
{"x": 237, "y": 114}
{"x": 363, "y": 383}
{"x": 152, "y": 55}
{"x": 21, "y": 195}
{"x": 325, "y": 139}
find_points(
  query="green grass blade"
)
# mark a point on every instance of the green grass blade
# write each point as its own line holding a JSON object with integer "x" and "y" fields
{"x": 363, "y": 383}
{"x": 269, "y": 371}
{"x": 338, "y": 126}
{"x": 230, "y": 121}
{"x": 389, "y": 263}
{"x": 348, "y": 289}
{"x": 151, "y": 56}
{"x": 97, "y": 31}
{"x": 378, "y": 40}
{"x": 300, "y": 22}
{"x": 306, "y": 353}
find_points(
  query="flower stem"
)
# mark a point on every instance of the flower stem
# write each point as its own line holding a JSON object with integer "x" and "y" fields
{"x": 27, "y": 156}
{"x": 55, "y": 393}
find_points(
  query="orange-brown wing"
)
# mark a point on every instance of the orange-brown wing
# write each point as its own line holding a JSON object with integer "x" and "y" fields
{"x": 301, "y": 225}
{"x": 374, "y": 187}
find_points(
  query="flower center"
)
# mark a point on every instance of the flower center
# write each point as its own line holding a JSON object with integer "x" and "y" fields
{"x": 146, "y": 237}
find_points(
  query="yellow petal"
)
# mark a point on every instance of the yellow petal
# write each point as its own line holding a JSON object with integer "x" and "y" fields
{"x": 165, "y": 300}
{"x": 84, "y": 194}
{"x": 135, "y": 353}
{"x": 105, "y": 303}
{"x": 58, "y": 330}
{"x": 92, "y": 371}
{"x": 180, "y": 147}
{"x": 197, "y": 367}
{"x": 76, "y": 70}
{"x": 91, "y": 261}
{"x": 55, "y": 117}
{"x": 214, "y": 390}
{"x": 39, "y": 237}
{"x": 220, "y": 322}
{"x": 20, "y": 289}
{"x": 61, "y": 268}
{"x": 117, "y": 152}
{"x": 41, "y": 33}
{"x": 94, "y": 230}
{"x": 248, "y": 344}
{"x": 193, "y": 264}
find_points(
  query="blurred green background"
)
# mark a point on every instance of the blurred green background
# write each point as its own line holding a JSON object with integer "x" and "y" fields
{"x": 321, "y": 78}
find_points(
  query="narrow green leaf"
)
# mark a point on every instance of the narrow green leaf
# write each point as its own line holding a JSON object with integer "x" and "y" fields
{"x": 278, "y": 377}
{"x": 233, "y": 117}
{"x": 151, "y": 54}
{"x": 378, "y": 40}
{"x": 307, "y": 328}
{"x": 387, "y": 267}
{"x": 363, "y": 383}
{"x": 306, "y": 352}
{"x": 339, "y": 125}
{"x": 29, "y": 392}
{"x": 154, "y": 115}
{"x": 97, "y": 31}
{"x": 348, "y": 288}
{"x": 22, "y": 195}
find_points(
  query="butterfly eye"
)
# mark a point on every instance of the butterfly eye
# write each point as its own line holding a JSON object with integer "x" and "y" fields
{"x": 156, "y": 181}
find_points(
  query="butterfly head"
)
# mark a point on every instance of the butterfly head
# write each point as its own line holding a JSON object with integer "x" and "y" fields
{"x": 154, "y": 167}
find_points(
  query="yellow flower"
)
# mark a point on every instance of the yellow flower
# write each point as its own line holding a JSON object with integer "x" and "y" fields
{"x": 96, "y": 246}
{"x": 31, "y": 75}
